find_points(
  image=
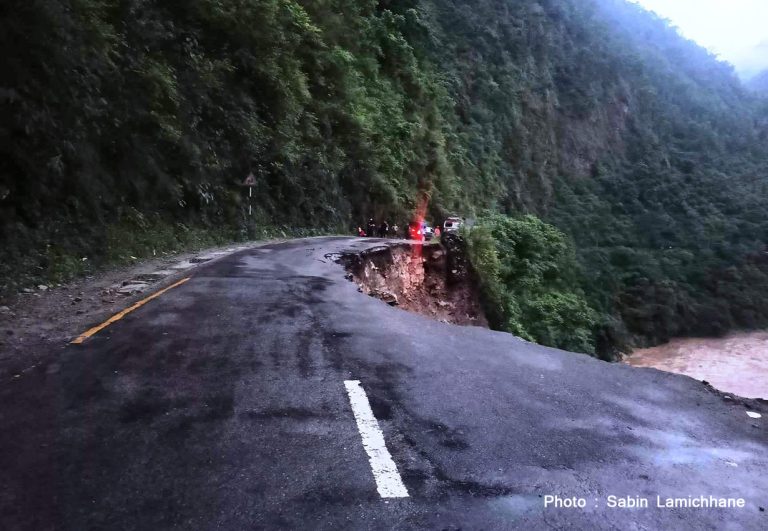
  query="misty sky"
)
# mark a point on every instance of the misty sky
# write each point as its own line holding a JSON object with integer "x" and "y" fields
{"x": 736, "y": 30}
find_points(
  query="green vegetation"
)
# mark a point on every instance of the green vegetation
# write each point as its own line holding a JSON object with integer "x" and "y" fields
{"x": 527, "y": 272}
{"x": 759, "y": 83}
{"x": 593, "y": 115}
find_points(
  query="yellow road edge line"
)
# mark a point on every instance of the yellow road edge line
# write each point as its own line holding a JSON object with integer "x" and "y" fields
{"x": 88, "y": 333}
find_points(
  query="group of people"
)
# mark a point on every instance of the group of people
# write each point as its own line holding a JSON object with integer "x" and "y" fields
{"x": 383, "y": 230}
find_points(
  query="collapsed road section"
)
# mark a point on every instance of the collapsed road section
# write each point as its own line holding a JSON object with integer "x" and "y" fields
{"x": 434, "y": 280}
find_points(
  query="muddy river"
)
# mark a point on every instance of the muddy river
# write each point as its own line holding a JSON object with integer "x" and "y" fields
{"x": 736, "y": 364}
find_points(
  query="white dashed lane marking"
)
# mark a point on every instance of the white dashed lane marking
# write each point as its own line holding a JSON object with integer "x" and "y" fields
{"x": 388, "y": 480}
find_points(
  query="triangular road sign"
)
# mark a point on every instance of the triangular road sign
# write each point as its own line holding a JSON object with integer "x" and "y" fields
{"x": 250, "y": 180}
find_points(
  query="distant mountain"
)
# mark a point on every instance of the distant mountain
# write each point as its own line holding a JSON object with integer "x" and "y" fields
{"x": 759, "y": 83}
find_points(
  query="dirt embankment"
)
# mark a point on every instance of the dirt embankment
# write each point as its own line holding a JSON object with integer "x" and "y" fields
{"x": 432, "y": 280}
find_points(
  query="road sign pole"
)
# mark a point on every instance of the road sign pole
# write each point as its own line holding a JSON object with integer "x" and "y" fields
{"x": 250, "y": 182}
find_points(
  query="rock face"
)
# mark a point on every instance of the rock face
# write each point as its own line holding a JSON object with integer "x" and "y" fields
{"x": 386, "y": 296}
{"x": 433, "y": 280}
{"x": 457, "y": 266}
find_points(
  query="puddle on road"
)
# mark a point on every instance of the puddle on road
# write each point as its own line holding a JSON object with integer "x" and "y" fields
{"x": 735, "y": 364}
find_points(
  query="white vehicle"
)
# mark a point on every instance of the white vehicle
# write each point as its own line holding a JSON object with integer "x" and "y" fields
{"x": 452, "y": 224}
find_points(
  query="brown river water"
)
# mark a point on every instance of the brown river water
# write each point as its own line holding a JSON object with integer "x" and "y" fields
{"x": 736, "y": 364}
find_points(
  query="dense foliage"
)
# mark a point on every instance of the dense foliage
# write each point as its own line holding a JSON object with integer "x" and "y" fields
{"x": 527, "y": 273}
{"x": 138, "y": 117}
{"x": 759, "y": 83}
{"x": 115, "y": 111}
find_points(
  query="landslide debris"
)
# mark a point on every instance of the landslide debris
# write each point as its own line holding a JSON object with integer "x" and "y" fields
{"x": 434, "y": 280}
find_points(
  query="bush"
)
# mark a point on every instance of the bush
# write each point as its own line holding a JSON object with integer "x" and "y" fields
{"x": 529, "y": 282}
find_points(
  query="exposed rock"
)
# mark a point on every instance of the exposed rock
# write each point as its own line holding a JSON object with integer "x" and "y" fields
{"x": 133, "y": 288}
{"x": 386, "y": 296}
{"x": 416, "y": 278}
{"x": 133, "y": 282}
{"x": 152, "y": 277}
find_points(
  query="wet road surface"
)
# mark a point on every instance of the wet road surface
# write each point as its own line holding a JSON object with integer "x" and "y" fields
{"x": 231, "y": 402}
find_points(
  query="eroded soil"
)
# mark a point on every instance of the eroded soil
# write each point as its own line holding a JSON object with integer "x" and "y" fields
{"x": 424, "y": 279}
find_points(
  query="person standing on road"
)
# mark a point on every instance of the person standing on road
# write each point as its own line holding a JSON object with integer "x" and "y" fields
{"x": 383, "y": 229}
{"x": 371, "y": 227}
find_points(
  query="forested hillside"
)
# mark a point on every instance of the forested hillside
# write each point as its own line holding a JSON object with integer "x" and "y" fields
{"x": 128, "y": 125}
{"x": 759, "y": 83}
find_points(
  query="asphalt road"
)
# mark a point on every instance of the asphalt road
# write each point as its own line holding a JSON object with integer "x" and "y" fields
{"x": 221, "y": 404}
